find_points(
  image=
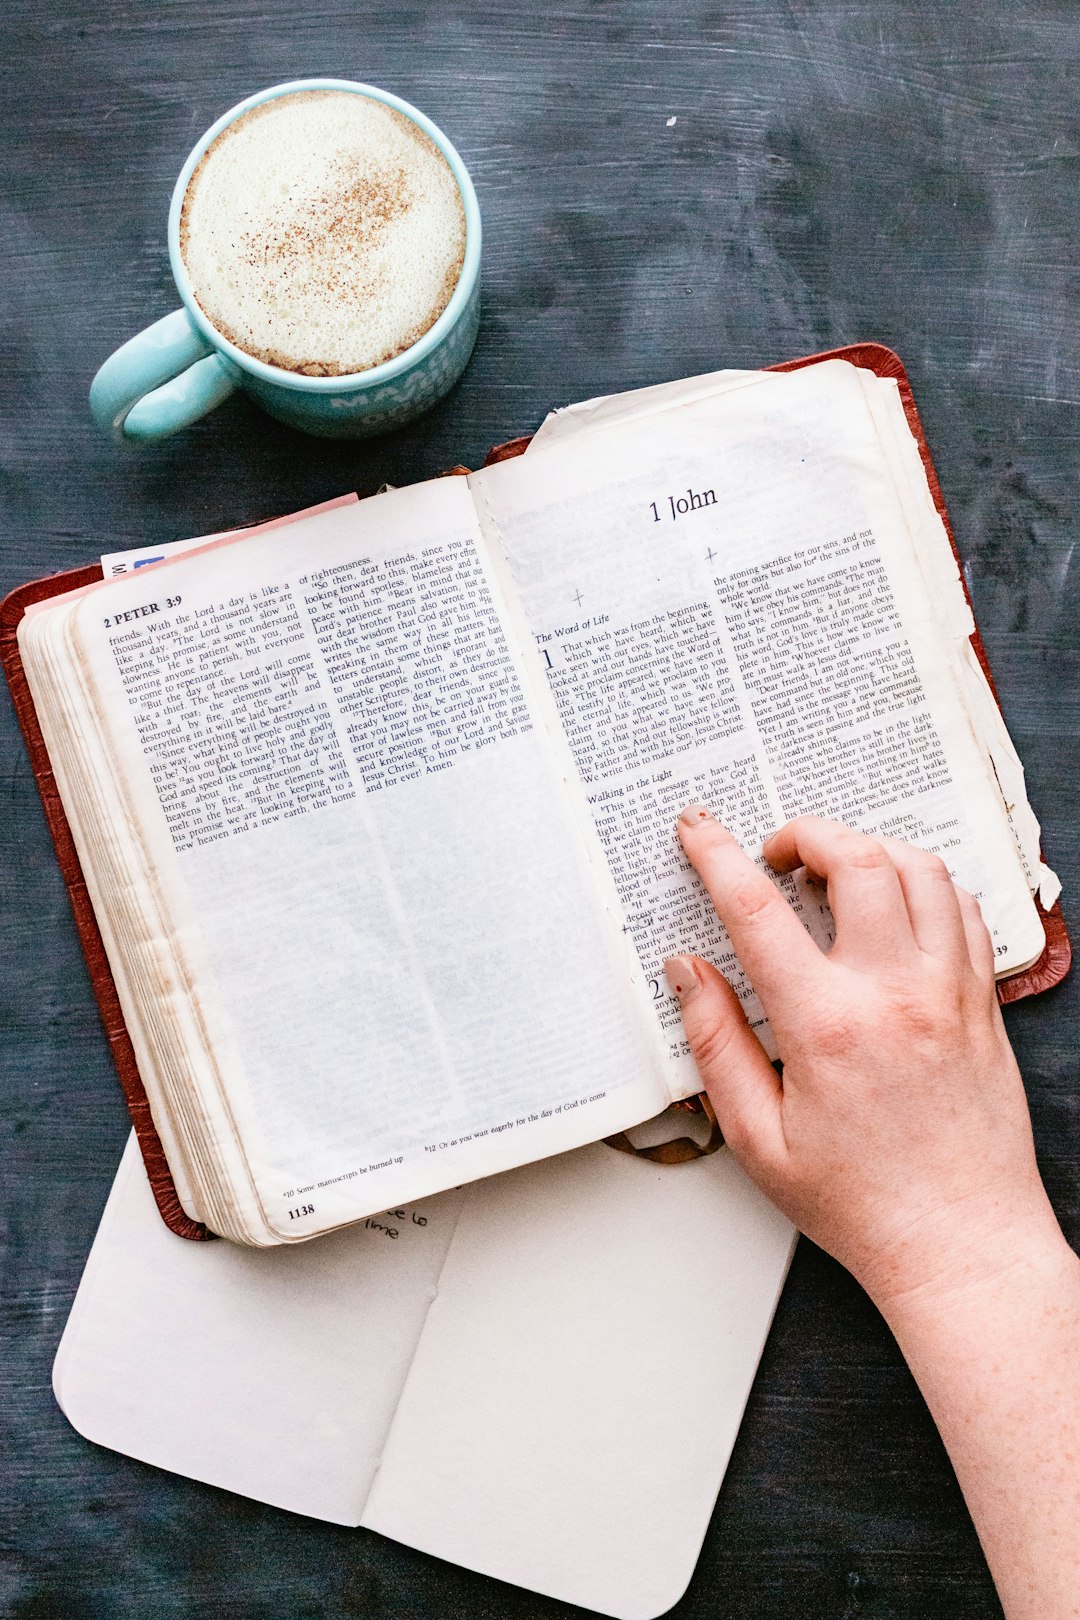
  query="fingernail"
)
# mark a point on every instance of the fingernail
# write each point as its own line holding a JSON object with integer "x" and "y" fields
{"x": 693, "y": 815}
{"x": 682, "y": 975}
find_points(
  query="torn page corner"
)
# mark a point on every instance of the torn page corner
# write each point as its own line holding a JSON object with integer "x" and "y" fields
{"x": 1049, "y": 887}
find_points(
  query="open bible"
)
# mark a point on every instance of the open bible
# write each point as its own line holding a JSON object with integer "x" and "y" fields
{"x": 375, "y": 808}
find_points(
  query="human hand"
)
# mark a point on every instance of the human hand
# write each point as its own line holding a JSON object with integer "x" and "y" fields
{"x": 899, "y": 1137}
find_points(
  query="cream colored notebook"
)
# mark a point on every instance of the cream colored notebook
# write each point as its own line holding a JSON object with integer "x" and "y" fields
{"x": 539, "y": 1377}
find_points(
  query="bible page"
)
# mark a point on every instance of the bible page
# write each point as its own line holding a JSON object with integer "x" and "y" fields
{"x": 613, "y": 410}
{"x": 728, "y": 606}
{"x": 931, "y": 542}
{"x": 954, "y": 611}
{"x": 390, "y": 959}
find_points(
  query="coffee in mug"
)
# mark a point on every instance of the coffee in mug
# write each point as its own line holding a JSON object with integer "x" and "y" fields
{"x": 324, "y": 237}
{"x": 323, "y": 232}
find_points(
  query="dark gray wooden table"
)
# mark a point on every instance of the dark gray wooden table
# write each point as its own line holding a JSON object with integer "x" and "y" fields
{"x": 837, "y": 170}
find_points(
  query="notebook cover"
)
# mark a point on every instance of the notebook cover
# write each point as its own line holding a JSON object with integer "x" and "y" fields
{"x": 1051, "y": 967}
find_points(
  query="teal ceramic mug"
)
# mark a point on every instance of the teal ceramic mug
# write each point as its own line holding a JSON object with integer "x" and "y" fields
{"x": 182, "y": 367}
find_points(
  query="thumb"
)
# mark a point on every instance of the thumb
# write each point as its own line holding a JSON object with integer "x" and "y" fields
{"x": 742, "y": 1084}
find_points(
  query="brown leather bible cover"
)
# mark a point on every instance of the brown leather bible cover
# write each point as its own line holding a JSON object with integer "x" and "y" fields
{"x": 1051, "y": 967}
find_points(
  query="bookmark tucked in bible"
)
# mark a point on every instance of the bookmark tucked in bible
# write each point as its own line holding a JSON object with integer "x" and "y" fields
{"x": 374, "y": 809}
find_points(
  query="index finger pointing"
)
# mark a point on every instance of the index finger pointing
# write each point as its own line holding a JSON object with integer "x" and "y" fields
{"x": 769, "y": 940}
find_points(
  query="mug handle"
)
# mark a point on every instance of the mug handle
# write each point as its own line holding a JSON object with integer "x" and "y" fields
{"x": 160, "y": 381}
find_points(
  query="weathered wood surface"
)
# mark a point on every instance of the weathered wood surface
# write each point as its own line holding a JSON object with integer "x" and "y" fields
{"x": 837, "y": 170}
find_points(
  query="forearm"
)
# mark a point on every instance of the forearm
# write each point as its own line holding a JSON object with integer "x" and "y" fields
{"x": 900, "y": 1141}
{"x": 998, "y": 1362}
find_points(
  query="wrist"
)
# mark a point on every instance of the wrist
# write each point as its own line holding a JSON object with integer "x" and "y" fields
{"x": 952, "y": 1258}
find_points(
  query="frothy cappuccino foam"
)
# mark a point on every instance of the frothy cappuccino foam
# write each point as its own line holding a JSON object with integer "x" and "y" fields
{"x": 323, "y": 232}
